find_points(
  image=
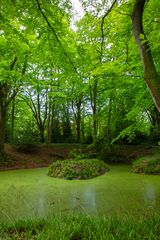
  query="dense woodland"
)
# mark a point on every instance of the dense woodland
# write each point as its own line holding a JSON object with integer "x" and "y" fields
{"x": 86, "y": 84}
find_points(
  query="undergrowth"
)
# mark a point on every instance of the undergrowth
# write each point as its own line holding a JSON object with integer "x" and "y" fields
{"x": 80, "y": 227}
{"x": 147, "y": 165}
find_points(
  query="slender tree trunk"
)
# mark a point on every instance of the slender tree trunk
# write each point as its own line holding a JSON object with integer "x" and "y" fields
{"x": 49, "y": 123}
{"x": 78, "y": 121}
{"x": 52, "y": 123}
{"x": 12, "y": 120}
{"x": 94, "y": 108}
{"x": 83, "y": 135}
{"x": 152, "y": 78}
{"x": 3, "y": 113}
{"x": 78, "y": 128}
{"x": 109, "y": 123}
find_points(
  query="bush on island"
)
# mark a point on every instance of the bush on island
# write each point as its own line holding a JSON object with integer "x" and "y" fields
{"x": 78, "y": 169}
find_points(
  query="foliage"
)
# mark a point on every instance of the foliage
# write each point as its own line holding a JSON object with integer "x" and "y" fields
{"x": 75, "y": 86}
{"x": 77, "y": 169}
{"x": 83, "y": 227}
{"x": 147, "y": 165}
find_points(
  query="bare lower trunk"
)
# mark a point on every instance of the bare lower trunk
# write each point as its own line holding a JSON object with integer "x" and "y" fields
{"x": 78, "y": 128}
{"x": 152, "y": 78}
{"x": 42, "y": 139}
{"x": 78, "y": 121}
{"x": 12, "y": 121}
{"x": 93, "y": 95}
{"x": 2, "y": 131}
{"x": 109, "y": 123}
{"x": 49, "y": 123}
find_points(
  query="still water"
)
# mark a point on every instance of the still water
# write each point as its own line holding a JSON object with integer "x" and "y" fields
{"x": 31, "y": 194}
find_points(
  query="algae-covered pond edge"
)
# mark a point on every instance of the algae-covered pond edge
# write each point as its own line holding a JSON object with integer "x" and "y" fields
{"x": 31, "y": 193}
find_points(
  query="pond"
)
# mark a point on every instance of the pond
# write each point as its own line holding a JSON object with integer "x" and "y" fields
{"x": 32, "y": 194}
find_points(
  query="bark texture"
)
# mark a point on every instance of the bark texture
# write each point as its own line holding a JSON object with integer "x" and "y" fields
{"x": 151, "y": 76}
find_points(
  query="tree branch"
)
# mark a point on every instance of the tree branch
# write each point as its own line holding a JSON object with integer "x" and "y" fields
{"x": 102, "y": 29}
{"x": 122, "y": 13}
{"x": 55, "y": 34}
{"x": 13, "y": 64}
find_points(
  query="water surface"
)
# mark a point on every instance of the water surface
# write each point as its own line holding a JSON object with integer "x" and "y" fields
{"x": 31, "y": 193}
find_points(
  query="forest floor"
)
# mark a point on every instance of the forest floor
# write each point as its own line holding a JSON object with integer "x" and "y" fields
{"x": 36, "y": 156}
{"x": 41, "y": 155}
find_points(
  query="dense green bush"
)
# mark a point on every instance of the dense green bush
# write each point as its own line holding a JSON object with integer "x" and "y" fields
{"x": 77, "y": 169}
{"x": 147, "y": 165}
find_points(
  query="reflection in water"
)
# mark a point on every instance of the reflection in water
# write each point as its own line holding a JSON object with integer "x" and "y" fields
{"x": 86, "y": 201}
{"x": 41, "y": 203}
{"x": 150, "y": 193}
{"x": 89, "y": 197}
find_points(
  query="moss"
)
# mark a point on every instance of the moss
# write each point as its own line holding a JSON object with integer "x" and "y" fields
{"x": 77, "y": 169}
{"x": 147, "y": 165}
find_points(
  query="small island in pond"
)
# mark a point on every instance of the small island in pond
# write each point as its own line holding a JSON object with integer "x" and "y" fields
{"x": 78, "y": 169}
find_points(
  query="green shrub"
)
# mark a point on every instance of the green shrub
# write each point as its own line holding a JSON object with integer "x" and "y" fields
{"x": 147, "y": 165}
{"x": 77, "y": 169}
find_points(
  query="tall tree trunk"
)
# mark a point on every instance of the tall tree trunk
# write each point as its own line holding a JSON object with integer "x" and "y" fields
{"x": 109, "y": 123}
{"x": 93, "y": 94}
{"x": 49, "y": 122}
{"x": 152, "y": 78}
{"x": 12, "y": 120}
{"x": 5, "y": 99}
{"x": 95, "y": 108}
{"x": 41, "y": 130}
{"x": 78, "y": 120}
{"x": 3, "y": 113}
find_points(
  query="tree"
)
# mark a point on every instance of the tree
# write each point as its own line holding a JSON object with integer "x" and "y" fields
{"x": 152, "y": 78}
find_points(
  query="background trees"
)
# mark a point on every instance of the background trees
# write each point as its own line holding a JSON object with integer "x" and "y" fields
{"x": 76, "y": 86}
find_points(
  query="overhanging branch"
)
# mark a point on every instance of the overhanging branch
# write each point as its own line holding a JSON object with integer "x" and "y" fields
{"x": 55, "y": 34}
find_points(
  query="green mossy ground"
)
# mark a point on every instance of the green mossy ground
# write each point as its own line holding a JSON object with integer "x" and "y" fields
{"x": 78, "y": 169}
{"x": 147, "y": 165}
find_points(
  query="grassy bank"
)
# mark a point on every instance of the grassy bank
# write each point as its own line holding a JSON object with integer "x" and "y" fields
{"x": 83, "y": 227}
{"x": 147, "y": 165}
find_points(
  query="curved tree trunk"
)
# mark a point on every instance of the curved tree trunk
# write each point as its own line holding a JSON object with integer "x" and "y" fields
{"x": 152, "y": 78}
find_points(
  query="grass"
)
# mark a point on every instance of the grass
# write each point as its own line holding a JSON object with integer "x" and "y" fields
{"x": 80, "y": 227}
{"x": 147, "y": 165}
{"x": 77, "y": 169}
